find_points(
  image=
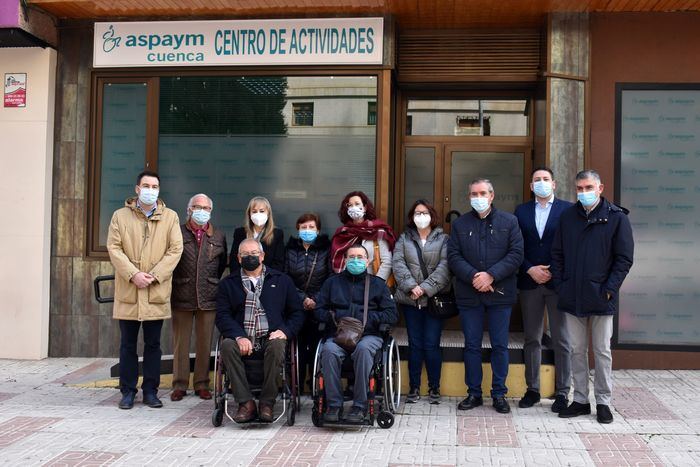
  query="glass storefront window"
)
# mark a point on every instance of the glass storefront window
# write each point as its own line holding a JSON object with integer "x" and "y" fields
{"x": 123, "y": 147}
{"x": 476, "y": 117}
{"x": 237, "y": 137}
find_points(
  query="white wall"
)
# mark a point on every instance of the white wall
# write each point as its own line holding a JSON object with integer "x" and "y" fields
{"x": 26, "y": 158}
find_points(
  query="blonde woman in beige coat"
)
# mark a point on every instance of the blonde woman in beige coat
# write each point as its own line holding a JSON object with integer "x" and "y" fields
{"x": 144, "y": 244}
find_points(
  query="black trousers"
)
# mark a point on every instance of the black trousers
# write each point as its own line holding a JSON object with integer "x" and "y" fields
{"x": 129, "y": 359}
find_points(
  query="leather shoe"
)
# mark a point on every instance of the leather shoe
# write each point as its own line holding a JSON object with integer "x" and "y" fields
{"x": 501, "y": 405}
{"x": 203, "y": 394}
{"x": 575, "y": 409}
{"x": 177, "y": 395}
{"x": 152, "y": 401}
{"x": 529, "y": 399}
{"x": 470, "y": 402}
{"x": 265, "y": 412}
{"x": 246, "y": 412}
{"x": 127, "y": 401}
{"x": 560, "y": 403}
{"x": 603, "y": 414}
{"x": 356, "y": 415}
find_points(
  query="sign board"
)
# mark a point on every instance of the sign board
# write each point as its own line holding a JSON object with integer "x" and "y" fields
{"x": 15, "y": 90}
{"x": 325, "y": 41}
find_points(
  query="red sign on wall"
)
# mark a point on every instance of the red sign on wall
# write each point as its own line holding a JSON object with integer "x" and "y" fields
{"x": 15, "y": 90}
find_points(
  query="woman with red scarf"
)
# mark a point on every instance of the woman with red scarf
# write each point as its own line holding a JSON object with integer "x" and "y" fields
{"x": 360, "y": 225}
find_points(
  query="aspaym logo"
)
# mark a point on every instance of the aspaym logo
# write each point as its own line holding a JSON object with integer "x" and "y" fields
{"x": 110, "y": 40}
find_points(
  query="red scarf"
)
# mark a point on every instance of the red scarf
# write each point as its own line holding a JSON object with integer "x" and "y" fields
{"x": 350, "y": 234}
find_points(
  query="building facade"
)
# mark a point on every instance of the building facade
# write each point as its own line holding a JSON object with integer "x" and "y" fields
{"x": 458, "y": 91}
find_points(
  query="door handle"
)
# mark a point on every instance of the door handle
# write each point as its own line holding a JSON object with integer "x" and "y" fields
{"x": 447, "y": 199}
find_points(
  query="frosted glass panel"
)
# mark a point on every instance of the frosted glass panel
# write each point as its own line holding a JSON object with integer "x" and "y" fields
{"x": 660, "y": 164}
{"x": 420, "y": 176}
{"x": 123, "y": 147}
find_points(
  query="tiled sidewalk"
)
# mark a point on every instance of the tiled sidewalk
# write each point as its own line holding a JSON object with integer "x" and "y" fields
{"x": 44, "y": 420}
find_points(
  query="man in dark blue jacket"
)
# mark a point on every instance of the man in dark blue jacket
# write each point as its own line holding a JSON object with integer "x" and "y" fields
{"x": 257, "y": 309}
{"x": 344, "y": 295}
{"x": 484, "y": 253}
{"x": 538, "y": 221}
{"x": 592, "y": 253}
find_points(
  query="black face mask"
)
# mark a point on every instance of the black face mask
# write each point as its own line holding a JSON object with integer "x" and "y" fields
{"x": 250, "y": 263}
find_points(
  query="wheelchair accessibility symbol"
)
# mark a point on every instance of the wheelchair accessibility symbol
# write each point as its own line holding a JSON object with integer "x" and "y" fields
{"x": 110, "y": 42}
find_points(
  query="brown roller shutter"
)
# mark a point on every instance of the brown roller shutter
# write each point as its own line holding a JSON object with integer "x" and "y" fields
{"x": 469, "y": 56}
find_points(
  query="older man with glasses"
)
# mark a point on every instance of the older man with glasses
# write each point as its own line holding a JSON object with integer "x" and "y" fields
{"x": 258, "y": 309}
{"x": 195, "y": 283}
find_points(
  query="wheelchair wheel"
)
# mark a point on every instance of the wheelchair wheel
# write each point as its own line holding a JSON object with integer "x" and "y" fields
{"x": 297, "y": 386}
{"x": 317, "y": 367}
{"x": 217, "y": 417}
{"x": 291, "y": 411}
{"x": 392, "y": 376}
{"x": 385, "y": 419}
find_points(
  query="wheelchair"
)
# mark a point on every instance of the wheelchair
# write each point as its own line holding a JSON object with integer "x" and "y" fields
{"x": 289, "y": 388}
{"x": 383, "y": 393}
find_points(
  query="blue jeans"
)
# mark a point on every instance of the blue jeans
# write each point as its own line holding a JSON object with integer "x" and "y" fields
{"x": 332, "y": 357}
{"x": 424, "y": 345}
{"x": 472, "y": 319}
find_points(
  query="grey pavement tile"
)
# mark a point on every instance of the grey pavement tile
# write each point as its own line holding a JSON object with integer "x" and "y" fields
{"x": 681, "y": 443}
{"x": 511, "y": 457}
{"x": 679, "y": 458}
{"x": 550, "y": 440}
{"x": 538, "y": 457}
{"x": 345, "y": 453}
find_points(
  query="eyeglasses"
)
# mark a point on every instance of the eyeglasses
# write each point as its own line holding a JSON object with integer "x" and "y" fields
{"x": 250, "y": 253}
{"x": 421, "y": 213}
{"x": 201, "y": 208}
{"x": 357, "y": 257}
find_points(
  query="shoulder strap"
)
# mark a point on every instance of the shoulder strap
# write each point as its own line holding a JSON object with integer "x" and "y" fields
{"x": 308, "y": 279}
{"x": 423, "y": 269}
{"x": 366, "y": 304}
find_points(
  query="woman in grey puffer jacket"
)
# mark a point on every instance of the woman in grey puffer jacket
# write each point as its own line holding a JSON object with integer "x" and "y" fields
{"x": 413, "y": 291}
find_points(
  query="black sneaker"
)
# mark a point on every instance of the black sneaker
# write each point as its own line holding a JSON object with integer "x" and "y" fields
{"x": 560, "y": 403}
{"x": 529, "y": 399}
{"x": 603, "y": 414}
{"x": 356, "y": 415}
{"x": 332, "y": 415}
{"x": 434, "y": 395}
{"x": 152, "y": 401}
{"x": 413, "y": 396}
{"x": 470, "y": 402}
{"x": 501, "y": 405}
{"x": 575, "y": 409}
{"x": 127, "y": 401}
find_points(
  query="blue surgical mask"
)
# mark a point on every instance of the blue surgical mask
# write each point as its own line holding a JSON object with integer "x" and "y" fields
{"x": 587, "y": 198}
{"x": 200, "y": 216}
{"x": 479, "y": 204}
{"x": 356, "y": 266}
{"x": 148, "y": 196}
{"x": 542, "y": 188}
{"x": 308, "y": 236}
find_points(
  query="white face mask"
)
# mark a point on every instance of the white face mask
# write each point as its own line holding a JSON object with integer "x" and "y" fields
{"x": 356, "y": 212}
{"x": 148, "y": 196}
{"x": 422, "y": 220}
{"x": 542, "y": 188}
{"x": 259, "y": 218}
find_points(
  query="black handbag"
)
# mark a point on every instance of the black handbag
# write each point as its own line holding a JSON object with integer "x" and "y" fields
{"x": 440, "y": 305}
{"x": 349, "y": 330}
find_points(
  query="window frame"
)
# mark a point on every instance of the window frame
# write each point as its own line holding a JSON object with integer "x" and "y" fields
{"x": 92, "y": 249}
{"x": 294, "y": 115}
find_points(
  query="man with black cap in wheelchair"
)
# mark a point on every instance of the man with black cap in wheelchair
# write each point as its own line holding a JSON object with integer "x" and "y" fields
{"x": 257, "y": 310}
{"x": 343, "y": 295}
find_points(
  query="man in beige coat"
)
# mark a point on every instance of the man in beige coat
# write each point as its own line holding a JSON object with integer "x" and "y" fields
{"x": 144, "y": 245}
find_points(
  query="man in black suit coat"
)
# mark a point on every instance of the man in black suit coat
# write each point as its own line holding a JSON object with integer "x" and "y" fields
{"x": 538, "y": 221}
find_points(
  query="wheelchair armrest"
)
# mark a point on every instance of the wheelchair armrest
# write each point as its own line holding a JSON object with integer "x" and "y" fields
{"x": 385, "y": 328}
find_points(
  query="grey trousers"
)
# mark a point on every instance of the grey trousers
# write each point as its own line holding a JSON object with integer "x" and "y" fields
{"x": 332, "y": 357}
{"x": 533, "y": 303}
{"x": 273, "y": 351}
{"x": 601, "y": 333}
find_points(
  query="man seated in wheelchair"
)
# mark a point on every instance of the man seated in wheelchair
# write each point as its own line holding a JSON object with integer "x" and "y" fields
{"x": 344, "y": 295}
{"x": 257, "y": 310}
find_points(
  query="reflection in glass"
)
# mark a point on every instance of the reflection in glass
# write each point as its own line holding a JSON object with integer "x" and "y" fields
{"x": 237, "y": 137}
{"x": 123, "y": 147}
{"x": 478, "y": 117}
{"x": 505, "y": 170}
{"x": 419, "y": 175}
